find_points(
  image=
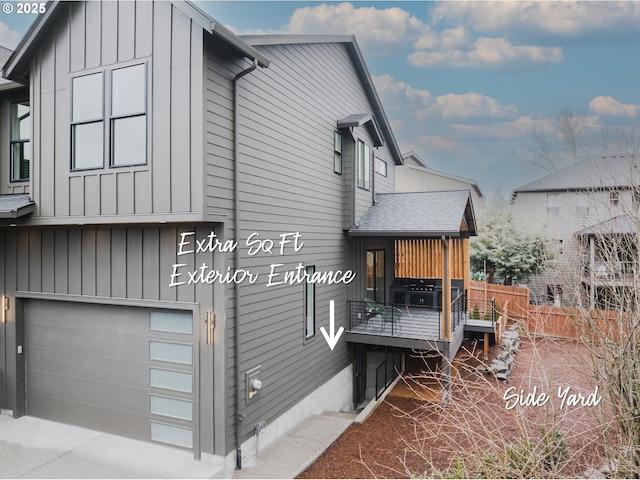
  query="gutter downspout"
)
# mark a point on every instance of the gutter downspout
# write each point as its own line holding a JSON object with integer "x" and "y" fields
{"x": 236, "y": 301}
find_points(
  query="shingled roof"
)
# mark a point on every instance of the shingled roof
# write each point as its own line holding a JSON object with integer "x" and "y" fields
{"x": 622, "y": 224}
{"x": 596, "y": 172}
{"x": 419, "y": 215}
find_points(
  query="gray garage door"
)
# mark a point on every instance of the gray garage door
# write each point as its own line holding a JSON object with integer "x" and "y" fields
{"x": 122, "y": 370}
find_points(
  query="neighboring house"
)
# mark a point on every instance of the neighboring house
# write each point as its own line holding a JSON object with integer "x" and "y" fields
{"x": 574, "y": 206}
{"x": 416, "y": 176}
{"x": 166, "y": 164}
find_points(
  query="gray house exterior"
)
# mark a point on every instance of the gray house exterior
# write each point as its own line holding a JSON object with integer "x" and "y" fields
{"x": 576, "y": 205}
{"x": 179, "y": 207}
{"x": 172, "y": 174}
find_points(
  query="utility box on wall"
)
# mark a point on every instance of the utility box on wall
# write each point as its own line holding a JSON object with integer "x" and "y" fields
{"x": 253, "y": 384}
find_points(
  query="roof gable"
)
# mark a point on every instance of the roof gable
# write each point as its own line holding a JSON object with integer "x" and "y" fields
{"x": 419, "y": 215}
{"x": 357, "y": 59}
{"x": 17, "y": 66}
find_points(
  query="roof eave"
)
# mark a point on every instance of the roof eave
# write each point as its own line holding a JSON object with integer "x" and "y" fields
{"x": 18, "y": 212}
{"x": 404, "y": 233}
{"x": 14, "y": 67}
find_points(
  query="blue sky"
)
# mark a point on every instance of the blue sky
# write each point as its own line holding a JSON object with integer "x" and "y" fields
{"x": 465, "y": 84}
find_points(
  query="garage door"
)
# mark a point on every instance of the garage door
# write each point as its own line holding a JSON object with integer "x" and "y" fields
{"x": 122, "y": 370}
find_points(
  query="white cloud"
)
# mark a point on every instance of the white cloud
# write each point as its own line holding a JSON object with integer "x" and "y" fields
{"x": 610, "y": 106}
{"x": 471, "y": 105}
{"x": 379, "y": 31}
{"x": 485, "y": 52}
{"x": 437, "y": 143}
{"x": 518, "y": 128}
{"x": 8, "y": 38}
{"x": 395, "y": 90}
{"x": 545, "y": 22}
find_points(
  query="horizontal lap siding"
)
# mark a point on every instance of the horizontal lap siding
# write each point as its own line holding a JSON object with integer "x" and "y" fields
{"x": 103, "y": 34}
{"x": 288, "y": 114}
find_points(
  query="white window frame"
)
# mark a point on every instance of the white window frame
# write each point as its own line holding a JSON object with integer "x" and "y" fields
{"x": 380, "y": 166}
{"x": 363, "y": 165}
{"x": 337, "y": 152}
{"x": 553, "y": 204}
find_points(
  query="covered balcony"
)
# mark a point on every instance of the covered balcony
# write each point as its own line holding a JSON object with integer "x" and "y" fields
{"x": 415, "y": 273}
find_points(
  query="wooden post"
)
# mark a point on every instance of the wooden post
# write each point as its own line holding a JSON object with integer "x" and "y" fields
{"x": 446, "y": 290}
{"x": 486, "y": 345}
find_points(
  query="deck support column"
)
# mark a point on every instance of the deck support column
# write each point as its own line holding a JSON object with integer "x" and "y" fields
{"x": 486, "y": 345}
{"x": 445, "y": 365}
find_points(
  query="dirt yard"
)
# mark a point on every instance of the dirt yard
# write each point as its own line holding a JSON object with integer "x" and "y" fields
{"x": 413, "y": 434}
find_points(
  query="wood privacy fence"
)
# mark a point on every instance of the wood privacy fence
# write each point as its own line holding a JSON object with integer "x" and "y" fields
{"x": 518, "y": 297}
{"x": 548, "y": 320}
{"x": 573, "y": 323}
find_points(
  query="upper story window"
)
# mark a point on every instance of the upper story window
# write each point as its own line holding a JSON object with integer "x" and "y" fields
{"x": 309, "y": 303}
{"x": 125, "y": 138}
{"x": 582, "y": 204}
{"x": 380, "y": 167}
{"x": 363, "y": 165}
{"x": 20, "y": 141}
{"x": 553, "y": 204}
{"x": 635, "y": 199}
{"x": 87, "y": 124}
{"x": 337, "y": 152}
{"x": 614, "y": 199}
{"x": 128, "y": 116}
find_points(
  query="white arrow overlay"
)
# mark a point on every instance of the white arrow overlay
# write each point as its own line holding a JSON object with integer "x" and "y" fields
{"x": 333, "y": 337}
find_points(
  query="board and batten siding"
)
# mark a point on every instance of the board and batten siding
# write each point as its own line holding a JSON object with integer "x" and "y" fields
{"x": 115, "y": 265}
{"x": 91, "y": 36}
{"x": 288, "y": 114}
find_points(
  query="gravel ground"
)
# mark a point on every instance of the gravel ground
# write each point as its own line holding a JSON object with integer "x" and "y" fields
{"x": 412, "y": 432}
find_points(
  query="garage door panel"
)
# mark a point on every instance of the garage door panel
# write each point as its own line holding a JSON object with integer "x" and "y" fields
{"x": 89, "y": 416}
{"x": 90, "y": 317}
{"x": 86, "y": 342}
{"x": 122, "y": 370}
{"x": 100, "y": 394}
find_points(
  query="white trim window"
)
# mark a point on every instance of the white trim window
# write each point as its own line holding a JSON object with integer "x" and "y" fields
{"x": 125, "y": 141}
{"x": 380, "y": 166}
{"x": 553, "y": 204}
{"x": 337, "y": 152}
{"x": 363, "y": 165}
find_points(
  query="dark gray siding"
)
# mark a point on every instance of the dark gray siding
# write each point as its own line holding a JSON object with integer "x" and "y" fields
{"x": 90, "y": 35}
{"x": 288, "y": 114}
{"x": 112, "y": 265}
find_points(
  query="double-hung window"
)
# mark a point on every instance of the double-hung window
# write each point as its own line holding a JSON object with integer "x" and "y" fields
{"x": 20, "y": 141}
{"x": 119, "y": 131}
{"x": 337, "y": 152}
{"x": 87, "y": 122}
{"x": 363, "y": 165}
{"x": 128, "y": 116}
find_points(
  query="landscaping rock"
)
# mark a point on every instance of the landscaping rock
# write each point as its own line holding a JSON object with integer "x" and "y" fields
{"x": 503, "y": 363}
